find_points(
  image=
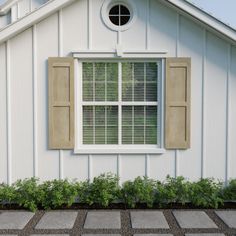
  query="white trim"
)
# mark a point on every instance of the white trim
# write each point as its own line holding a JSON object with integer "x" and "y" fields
{"x": 147, "y": 43}
{"x": 9, "y": 143}
{"x": 32, "y": 18}
{"x": 228, "y": 115}
{"x": 119, "y": 148}
{"x": 35, "y": 99}
{"x": 203, "y": 104}
{"x": 89, "y": 12}
{"x": 5, "y": 7}
{"x": 120, "y": 151}
{"x": 95, "y": 54}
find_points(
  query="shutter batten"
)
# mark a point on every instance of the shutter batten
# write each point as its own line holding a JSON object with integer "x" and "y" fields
{"x": 61, "y": 102}
{"x": 177, "y": 103}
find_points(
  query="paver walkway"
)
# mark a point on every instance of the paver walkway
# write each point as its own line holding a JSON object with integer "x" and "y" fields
{"x": 119, "y": 223}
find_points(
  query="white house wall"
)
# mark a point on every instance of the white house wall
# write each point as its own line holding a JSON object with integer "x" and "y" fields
{"x": 23, "y": 94}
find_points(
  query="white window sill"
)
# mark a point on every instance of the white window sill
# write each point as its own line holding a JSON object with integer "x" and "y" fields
{"x": 120, "y": 151}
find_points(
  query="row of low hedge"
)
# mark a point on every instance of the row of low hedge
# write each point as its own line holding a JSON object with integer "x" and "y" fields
{"x": 104, "y": 190}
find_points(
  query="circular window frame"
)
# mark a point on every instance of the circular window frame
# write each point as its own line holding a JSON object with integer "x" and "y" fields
{"x": 106, "y": 7}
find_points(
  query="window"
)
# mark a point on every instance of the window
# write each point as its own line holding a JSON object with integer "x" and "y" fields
{"x": 119, "y": 15}
{"x": 119, "y": 104}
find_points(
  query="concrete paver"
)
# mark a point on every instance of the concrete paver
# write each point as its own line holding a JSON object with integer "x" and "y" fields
{"x": 153, "y": 234}
{"x": 209, "y": 234}
{"x": 15, "y": 219}
{"x": 148, "y": 219}
{"x": 103, "y": 220}
{"x": 57, "y": 220}
{"x": 193, "y": 219}
{"x": 229, "y": 217}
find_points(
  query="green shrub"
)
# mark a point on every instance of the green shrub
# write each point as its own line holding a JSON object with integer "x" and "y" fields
{"x": 56, "y": 193}
{"x": 229, "y": 192}
{"x": 7, "y": 194}
{"x": 27, "y": 193}
{"x": 206, "y": 193}
{"x": 141, "y": 190}
{"x": 173, "y": 190}
{"x": 103, "y": 190}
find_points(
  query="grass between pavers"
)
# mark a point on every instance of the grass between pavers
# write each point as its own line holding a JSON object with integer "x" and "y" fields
{"x": 105, "y": 191}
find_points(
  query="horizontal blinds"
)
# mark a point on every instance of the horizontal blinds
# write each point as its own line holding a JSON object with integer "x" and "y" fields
{"x": 139, "y": 84}
{"x": 100, "y": 125}
{"x": 100, "y": 82}
{"x": 139, "y": 125}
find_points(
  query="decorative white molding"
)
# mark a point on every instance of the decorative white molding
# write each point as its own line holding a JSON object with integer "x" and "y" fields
{"x": 113, "y": 54}
{"x": 130, "y": 150}
{"x": 5, "y": 7}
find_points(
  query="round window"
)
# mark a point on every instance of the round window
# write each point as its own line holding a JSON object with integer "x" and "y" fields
{"x": 119, "y": 15}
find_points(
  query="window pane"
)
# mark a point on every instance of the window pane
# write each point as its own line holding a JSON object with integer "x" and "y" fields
{"x": 100, "y": 91}
{"x": 151, "y": 92}
{"x": 100, "y": 135}
{"x": 127, "y": 91}
{"x": 126, "y": 134}
{"x": 88, "y": 134}
{"x": 139, "y": 115}
{"x": 151, "y": 72}
{"x": 87, "y": 72}
{"x": 139, "y": 125}
{"x": 100, "y": 125}
{"x": 99, "y": 71}
{"x": 87, "y": 91}
{"x": 138, "y": 134}
{"x": 112, "y": 72}
{"x": 112, "y": 115}
{"x": 112, "y": 91}
{"x": 112, "y": 134}
{"x": 138, "y": 91}
{"x": 138, "y": 72}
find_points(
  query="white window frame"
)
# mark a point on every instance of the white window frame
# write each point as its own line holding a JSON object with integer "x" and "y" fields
{"x": 120, "y": 148}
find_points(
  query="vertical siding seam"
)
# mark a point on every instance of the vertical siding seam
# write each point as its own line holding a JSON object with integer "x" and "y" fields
{"x": 177, "y": 54}
{"x": 60, "y": 54}
{"x": 35, "y": 95}
{"x": 90, "y": 168}
{"x": 119, "y": 38}
{"x": 89, "y": 24}
{"x": 147, "y": 24}
{"x": 30, "y": 6}
{"x": 147, "y": 161}
{"x": 227, "y": 158}
{"x": 203, "y": 105}
{"x": 8, "y": 84}
{"x": 118, "y": 167}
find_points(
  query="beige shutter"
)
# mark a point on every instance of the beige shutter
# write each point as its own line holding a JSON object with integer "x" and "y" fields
{"x": 61, "y": 102}
{"x": 177, "y": 104}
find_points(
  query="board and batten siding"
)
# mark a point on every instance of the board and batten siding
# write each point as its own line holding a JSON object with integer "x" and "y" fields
{"x": 23, "y": 95}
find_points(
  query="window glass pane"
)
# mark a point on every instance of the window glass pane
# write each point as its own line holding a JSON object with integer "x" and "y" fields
{"x": 139, "y": 115}
{"x": 139, "y": 125}
{"x": 88, "y": 134}
{"x": 138, "y": 91}
{"x": 100, "y": 135}
{"x": 112, "y": 134}
{"x": 138, "y": 134}
{"x": 100, "y": 91}
{"x": 151, "y": 135}
{"x": 87, "y": 72}
{"x": 151, "y": 72}
{"x": 87, "y": 91}
{"x": 112, "y": 115}
{"x": 100, "y": 125}
{"x": 151, "y": 92}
